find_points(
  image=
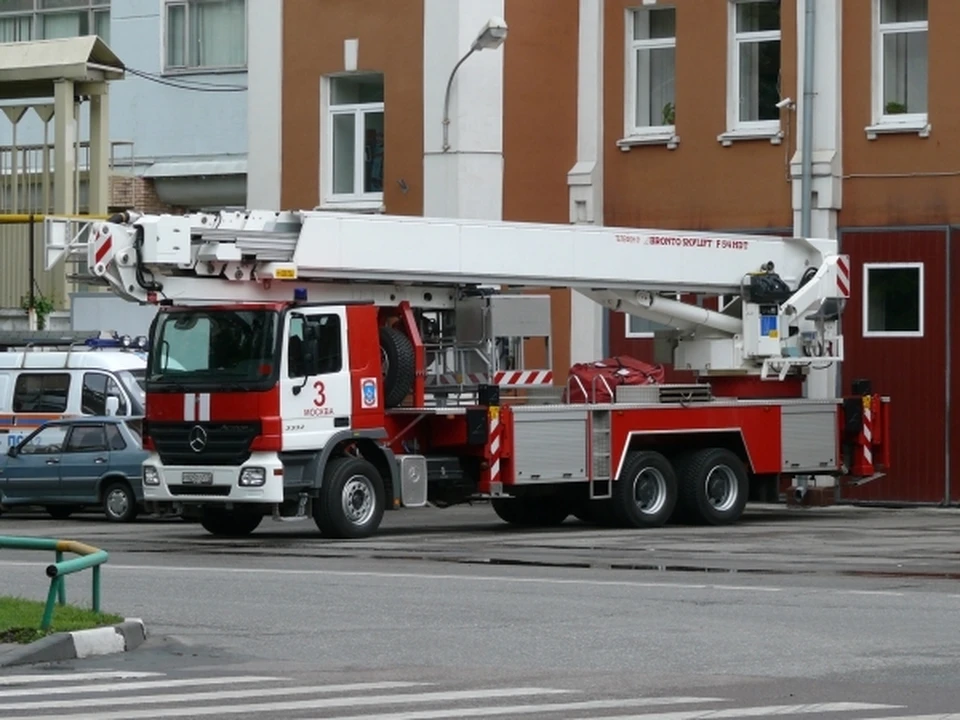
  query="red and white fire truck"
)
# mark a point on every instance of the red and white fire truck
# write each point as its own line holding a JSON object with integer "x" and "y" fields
{"x": 333, "y": 366}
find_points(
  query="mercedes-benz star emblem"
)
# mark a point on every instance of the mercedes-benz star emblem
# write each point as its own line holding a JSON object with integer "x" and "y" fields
{"x": 197, "y": 439}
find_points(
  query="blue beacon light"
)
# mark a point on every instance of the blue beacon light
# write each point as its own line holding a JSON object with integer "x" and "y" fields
{"x": 300, "y": 295}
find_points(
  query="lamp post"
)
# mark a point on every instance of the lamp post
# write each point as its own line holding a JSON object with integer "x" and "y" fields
{"x": 490, "y": 38}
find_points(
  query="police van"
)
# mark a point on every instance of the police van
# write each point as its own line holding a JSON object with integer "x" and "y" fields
{"x": 42, "y": 382}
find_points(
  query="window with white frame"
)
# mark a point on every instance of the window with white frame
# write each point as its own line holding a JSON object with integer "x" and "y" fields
{"x": 754, "y": 65}
{"x": 205, "y": 35}
{"x": 353, "y": 139}
{"x": 637, "y": 327}
{"x": 651, "y": 71}
{"x": 24, "y": 20}
{"x": 893, "y": 299}
{"x": 900, "y": 61}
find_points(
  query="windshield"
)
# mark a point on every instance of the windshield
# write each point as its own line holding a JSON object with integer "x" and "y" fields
{"x": 207, "y": 346}
{"x": 135, "y": 383}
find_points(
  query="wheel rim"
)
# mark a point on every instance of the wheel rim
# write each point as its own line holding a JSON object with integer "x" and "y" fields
{"x": 358, "y": 500}
{"x": 721, "y": 488}
{"x": 650, "y": 491}
{"x": 117, "y": 502}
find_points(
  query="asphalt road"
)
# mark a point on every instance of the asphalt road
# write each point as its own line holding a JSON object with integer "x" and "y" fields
{"x": 826, "y": 613}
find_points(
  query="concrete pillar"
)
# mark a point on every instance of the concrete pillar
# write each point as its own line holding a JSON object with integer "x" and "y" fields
{"x": 64, "y": 138}
{"x": 264, "y": 103}
{"x": 467, "y": 180}
{"x": 99, "y": 177}
{"x": 585, "y": 179}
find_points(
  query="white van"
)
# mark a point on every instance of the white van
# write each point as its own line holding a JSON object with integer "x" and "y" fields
{"x": 41, "y": 385}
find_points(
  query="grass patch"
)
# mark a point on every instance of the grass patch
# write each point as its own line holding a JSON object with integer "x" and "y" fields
{"x": 20, "y": 619}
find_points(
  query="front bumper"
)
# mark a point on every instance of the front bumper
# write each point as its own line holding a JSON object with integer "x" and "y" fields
{"x": 213, "y": 484}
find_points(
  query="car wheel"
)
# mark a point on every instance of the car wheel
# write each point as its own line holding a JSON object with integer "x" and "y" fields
{"x": 119, "y": 503}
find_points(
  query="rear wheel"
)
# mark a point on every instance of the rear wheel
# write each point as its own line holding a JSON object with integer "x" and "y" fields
{"x": 714, "y": 486}
{"x": 352, "y": 499}
{"x": 229, "y": 524}
{"x": 645, "y": 494}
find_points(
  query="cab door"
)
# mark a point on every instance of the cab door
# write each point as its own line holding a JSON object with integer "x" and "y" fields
{"x": 315, "y": 392}
{"x": 33, "y": 470}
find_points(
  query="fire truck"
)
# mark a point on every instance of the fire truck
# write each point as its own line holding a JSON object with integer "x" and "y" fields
{"x": 332, "y": 366}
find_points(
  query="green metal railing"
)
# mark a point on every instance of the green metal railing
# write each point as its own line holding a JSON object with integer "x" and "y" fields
{"x": 90, "y": 557}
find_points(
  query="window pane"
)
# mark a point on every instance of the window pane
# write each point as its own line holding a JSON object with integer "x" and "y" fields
{"x": 101, "y": 25}
{"x": 893, "y": 299}
{"x": 344, "y": 149}
{"x": 48, "y": 441}
{"x": 16, "y": 29}
{"x": 758, "y": 16}
{"x": 62, "y": 25}
{"x": 41, "y": 393}
{"x": 903, "y": 11}
{"x": 373, "y": 152}
{"x": 87, "y": 438}
{"x": 759, "y": 80}
{"x": 655, "y": 87}
{"x": 115, "y": 438}
{"x": 176, "y": 30}
{"x": 218, "y": 33}
{"x": 61, "y": 4}
{"x": 93, "y": 397}
{"x": 905, "y": 73}
{"x": 356, "y": 89}
{"x": 654, "y": 24}
{"x": 16, "y": 5}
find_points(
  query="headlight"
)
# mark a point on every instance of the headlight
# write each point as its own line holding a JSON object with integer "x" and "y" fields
{"x": 252, "y": 477}
{"x": 150, "y": 475}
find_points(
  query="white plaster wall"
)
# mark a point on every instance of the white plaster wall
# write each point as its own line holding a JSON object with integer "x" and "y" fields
{"x": 264, "y": 114}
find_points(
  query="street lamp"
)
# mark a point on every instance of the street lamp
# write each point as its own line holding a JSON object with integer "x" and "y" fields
{"x": 490, "y": 38}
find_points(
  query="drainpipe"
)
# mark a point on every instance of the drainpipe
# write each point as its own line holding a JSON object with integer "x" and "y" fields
{"x": 806, "y": 150}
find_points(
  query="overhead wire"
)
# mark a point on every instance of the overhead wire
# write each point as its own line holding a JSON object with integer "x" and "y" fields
{"x": 186, "y": 84}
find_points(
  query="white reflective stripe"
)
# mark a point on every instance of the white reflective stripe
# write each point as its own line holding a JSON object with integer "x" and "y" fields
{"x": 59, "y": 677}
{"x": 204, "y": 407}
{"x": 495, "y": 445}
{"x": 494, "y": 470}
{"x": 124, "y": 686}
{"x": 189, "y": 407}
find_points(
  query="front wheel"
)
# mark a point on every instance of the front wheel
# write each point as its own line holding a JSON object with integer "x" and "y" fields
{"x": 119, "y": 503}
{"x": 351, "y": 499}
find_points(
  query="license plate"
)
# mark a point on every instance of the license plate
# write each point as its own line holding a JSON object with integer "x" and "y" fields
{"x": 197, "y": 478}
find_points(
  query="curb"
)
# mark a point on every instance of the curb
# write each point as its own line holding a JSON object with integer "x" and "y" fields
{"x": 79, "y": 644}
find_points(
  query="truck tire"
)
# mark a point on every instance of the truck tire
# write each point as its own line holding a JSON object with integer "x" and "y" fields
{"x": 351, "y": 501}
{"x": 229, "y": 524}
{"x": 399, "y": 366}
{"x": 713, "y": 485}
{"x": 645, "y": 493}
{"x": 547, "y": 511}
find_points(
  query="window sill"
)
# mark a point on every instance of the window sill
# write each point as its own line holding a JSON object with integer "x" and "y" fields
{"x": 920, "y": 127}
{"x": 358, "y": 206}
{"x": 667, "y": 137}
{"x": 731, "y": 136}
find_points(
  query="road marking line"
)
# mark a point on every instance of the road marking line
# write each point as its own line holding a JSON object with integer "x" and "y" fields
{"x": 58, "y": 677}
{"x": 759, "y": 711}
{"x": 349, "y": 702}
{"x": 212, "y": 695}
{"x": 532, "y": 709}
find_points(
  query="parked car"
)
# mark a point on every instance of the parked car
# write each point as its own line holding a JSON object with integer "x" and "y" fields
{"x": 67, "y": 465}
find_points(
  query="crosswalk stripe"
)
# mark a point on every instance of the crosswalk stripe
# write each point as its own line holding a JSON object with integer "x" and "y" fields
{"x": 356, "y": 701}
{"x": 761, "y": 711}
{"x": 205, "y": 696}
{"x": 936, "y": 716}
{"x": 58, "y": 677}
{"x": 142, "y": 685}
{"x": 532, "y": 709}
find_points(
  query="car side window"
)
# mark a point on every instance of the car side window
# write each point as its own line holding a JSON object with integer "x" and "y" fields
{"x": 87, "y": 438}
{"x": 115, "y": 438}
{"x": 41, "y": 392}
{"x": 47, "y": 441}
{"x": 97, "y": 387}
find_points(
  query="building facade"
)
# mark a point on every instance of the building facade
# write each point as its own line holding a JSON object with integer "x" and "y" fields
{"x": 682, "y": 114}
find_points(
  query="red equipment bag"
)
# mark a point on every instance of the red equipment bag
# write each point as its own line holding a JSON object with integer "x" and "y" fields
{"x": 599, "y": 380}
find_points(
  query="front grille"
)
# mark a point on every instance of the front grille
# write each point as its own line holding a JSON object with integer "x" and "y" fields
{"x": 207, "y": 490}
{"x": 226, "y": 443}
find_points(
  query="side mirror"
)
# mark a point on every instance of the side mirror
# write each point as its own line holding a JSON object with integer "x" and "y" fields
{"x": 113, "y": 405}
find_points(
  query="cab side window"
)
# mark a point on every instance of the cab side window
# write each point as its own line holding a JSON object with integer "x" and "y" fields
{"x": 327, "y": 330}
{"x": 41, "y": 393}
{"x": 97, "y": 387}
{"x": 47, "y": 441}
{"x": 295, "y": 349}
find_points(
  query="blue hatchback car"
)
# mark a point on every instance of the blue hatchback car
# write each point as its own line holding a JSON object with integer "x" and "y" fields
{"x": 67, "y": 465}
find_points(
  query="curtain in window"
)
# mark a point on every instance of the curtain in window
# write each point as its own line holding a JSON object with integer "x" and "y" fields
{"x": 15, "y": 29}
{"x": 218, "y": 33}
{"x": 62, "y": 25}
{"x": 905, "y": 73}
